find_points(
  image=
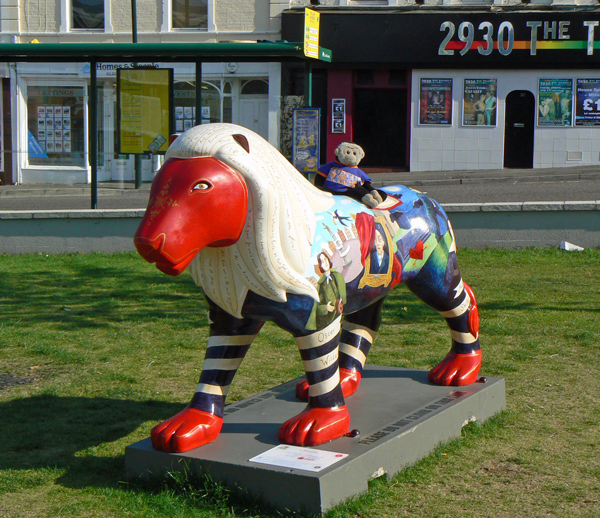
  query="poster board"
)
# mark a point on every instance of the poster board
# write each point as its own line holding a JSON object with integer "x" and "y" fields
{"x": 305, "y": 145}
{"x": 479, "y": 102}
{"x": 338, "y": 116}
{"x": 587, "y": 102}
{"x": 144, "y": 110}
{"x": 555, "y": 102}
{"x": 435, "y": 101}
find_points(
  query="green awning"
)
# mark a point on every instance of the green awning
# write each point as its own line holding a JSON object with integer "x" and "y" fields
{"x": 172, "y": 52}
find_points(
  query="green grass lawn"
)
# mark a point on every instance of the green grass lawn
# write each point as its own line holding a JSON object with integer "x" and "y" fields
{"x": 97, "y": 349}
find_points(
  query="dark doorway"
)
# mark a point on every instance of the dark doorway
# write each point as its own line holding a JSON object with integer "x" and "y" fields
{"x": 380, "y": 126}
{"x": 6, "y": 146}
{"x": 518, "y": 129}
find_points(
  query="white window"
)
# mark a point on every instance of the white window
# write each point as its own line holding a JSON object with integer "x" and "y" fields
{"x": 85, "y": 15}
{"x": 190, "y": 14}
{"x": 194, "y": 15}
{"x": 56, "y": 124}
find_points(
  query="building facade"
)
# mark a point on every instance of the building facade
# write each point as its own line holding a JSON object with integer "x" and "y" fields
{"x": 456, "y": 85}
{"x": 45, "y": 106}
{"x": 420, "y": 84}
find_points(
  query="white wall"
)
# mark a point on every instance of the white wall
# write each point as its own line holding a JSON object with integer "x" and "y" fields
{"x": 456, "y": 147}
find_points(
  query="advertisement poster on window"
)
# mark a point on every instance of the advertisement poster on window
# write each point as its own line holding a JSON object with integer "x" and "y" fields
{"x": 479, "y": 102}
{"x": 555, "y": 102}
{"x": 587, "y": 102}
{"x": 144, "y": 106}
{"x": 305, "y": 145}
{"x": 435, "y": 106}
{"x": 56, "y": 124}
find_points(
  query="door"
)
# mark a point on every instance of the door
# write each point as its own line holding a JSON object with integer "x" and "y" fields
{"x": 254, "y": 114}
{"x": 519, "y": 129}
{"x": 380, "y": 126}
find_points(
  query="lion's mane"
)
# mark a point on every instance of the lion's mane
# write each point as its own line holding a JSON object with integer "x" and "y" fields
{"x": 273, "y": 252}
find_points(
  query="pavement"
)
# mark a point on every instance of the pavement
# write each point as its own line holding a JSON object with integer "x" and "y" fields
{"x": 556, "y": 184}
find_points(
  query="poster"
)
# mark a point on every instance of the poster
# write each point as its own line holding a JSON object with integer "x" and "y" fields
{"x": 144, "y": 109}
{"x": 338, "y": 116}
{"x": 435, "y": 101}
{"x": 555, "y": 102}
{"x": 305, "y": 145}
{"x": 480, "y": 102}
{"x": 587, "y": 102}
{"x": 53, "y": 129}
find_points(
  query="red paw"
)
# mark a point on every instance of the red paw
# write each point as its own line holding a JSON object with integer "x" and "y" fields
{"x": 457, "y": 369}
{"x": 187, "y": 430}
{"x": 349, "y": 380}
{"x": 315, "y": 426}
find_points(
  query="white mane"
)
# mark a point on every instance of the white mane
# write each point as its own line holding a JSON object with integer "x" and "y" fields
{"x": 273, "y": 252}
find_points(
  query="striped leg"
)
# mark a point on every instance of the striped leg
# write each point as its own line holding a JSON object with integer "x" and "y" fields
{"x": 446, "y": 292}
{"x": 326, "y": 416}
{"x": 359, "y": 331}
{"x": 461, "y": 365}
{"x": 201, "y": 421}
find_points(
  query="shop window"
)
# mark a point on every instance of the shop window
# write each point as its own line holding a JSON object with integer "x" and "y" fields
{"x": 255, "y": 87}
{"x": 216, "y": 105}
{"x": 190, "y": 14}
{"x": 56, "y": 124}
{"x": 87, "y": 14}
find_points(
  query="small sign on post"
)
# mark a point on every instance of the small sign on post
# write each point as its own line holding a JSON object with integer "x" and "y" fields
{"x": 312, "y": 20}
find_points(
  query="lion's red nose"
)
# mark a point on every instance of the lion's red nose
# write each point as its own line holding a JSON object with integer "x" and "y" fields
{"x": 149, "y": 249}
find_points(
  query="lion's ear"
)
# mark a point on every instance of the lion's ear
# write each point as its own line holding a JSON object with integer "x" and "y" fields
{"x": 242, "y": 141}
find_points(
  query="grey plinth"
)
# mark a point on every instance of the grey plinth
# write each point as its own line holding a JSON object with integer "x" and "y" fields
{"x": 400, "y": 415}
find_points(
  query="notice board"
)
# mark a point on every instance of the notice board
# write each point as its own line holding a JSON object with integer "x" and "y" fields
{"x": 145, "y": 109}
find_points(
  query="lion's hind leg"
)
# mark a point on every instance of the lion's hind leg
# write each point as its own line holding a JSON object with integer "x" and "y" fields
{"x": 445, "y": 291}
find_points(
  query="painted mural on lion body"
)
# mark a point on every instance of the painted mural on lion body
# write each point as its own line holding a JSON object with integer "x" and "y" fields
{"x": 265, "y": 244}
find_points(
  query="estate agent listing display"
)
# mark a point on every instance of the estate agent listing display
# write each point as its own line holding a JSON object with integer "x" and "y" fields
{"x": 561, "y": 102}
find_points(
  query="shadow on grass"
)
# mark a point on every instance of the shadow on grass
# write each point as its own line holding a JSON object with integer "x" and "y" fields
{"x": 76, "y": 296}
{"x": 72, "y": 435}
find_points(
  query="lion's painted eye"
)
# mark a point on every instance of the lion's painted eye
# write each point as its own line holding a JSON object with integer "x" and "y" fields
{"x": 203, "y": 185}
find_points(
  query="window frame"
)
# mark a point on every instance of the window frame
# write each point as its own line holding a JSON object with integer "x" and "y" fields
{"x": 66, "y": 19}
{"x": 37, "y": 82}
{"x": 167, "y": 18}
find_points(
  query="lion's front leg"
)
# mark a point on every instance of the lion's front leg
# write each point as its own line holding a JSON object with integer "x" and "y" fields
{"x": 201, "y": 421}
{"x": 326, "y": 417}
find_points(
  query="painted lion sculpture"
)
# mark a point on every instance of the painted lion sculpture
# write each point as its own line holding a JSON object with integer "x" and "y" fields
{"x": 264, "y": 244}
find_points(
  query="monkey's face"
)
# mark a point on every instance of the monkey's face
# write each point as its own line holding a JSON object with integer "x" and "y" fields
{"x": 349, "y": 154}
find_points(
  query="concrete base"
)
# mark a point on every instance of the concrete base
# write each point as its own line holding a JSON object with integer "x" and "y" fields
{"x": 400, "y": 415}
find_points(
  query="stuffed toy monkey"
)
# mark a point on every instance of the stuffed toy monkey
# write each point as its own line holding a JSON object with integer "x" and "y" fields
{"x": 343, "y": 176}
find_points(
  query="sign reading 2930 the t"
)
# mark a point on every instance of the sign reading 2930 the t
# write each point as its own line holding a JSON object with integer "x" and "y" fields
{"x": 530, "y": 36}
